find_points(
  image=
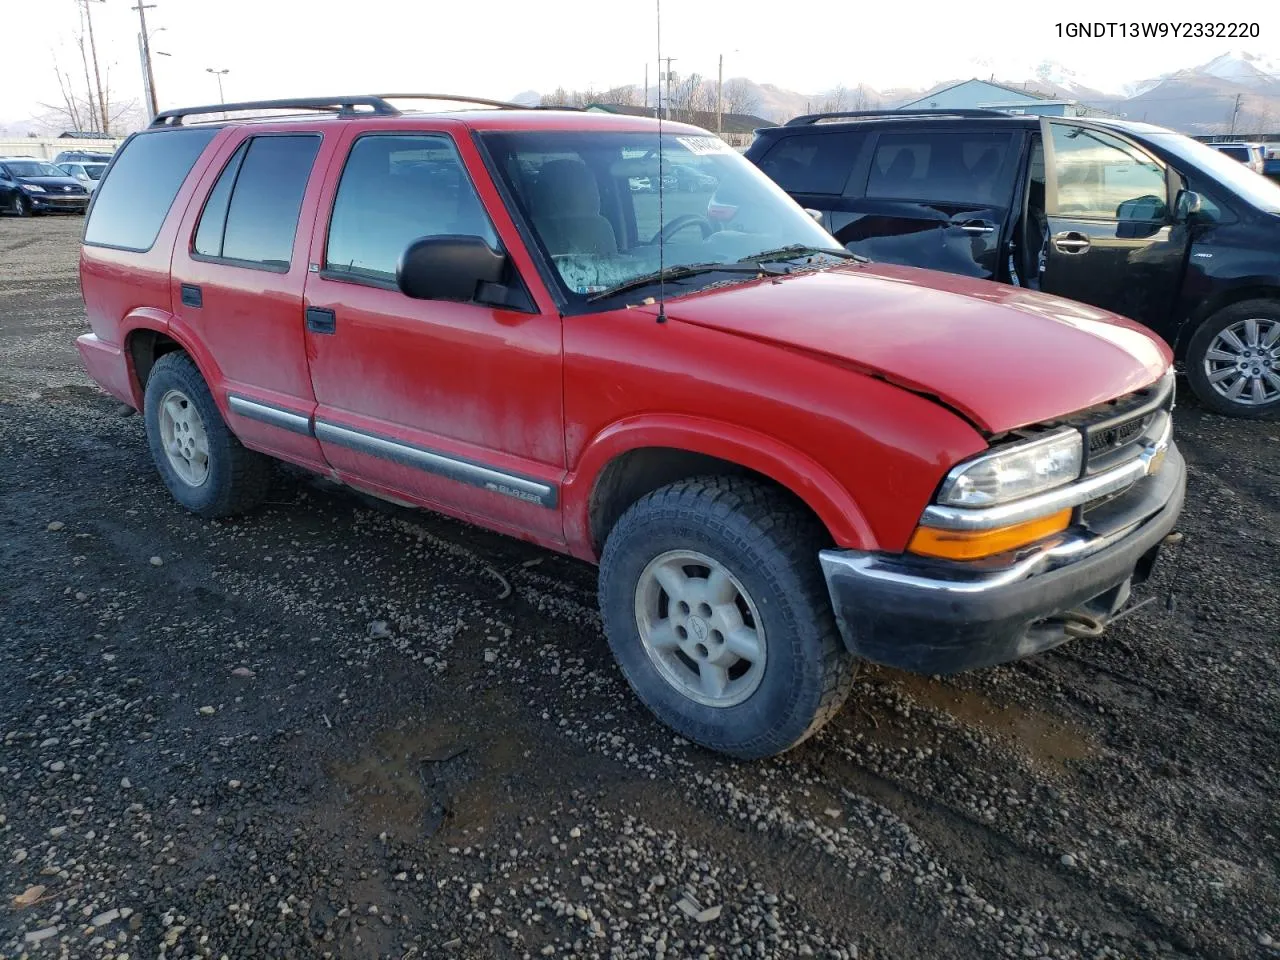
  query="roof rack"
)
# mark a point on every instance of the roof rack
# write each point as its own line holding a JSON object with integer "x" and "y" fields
{"x": 812, "y": 118}
{"x": 345, "y": 106}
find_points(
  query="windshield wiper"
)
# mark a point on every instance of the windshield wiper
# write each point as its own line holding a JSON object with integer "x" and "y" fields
{"x": 681, "y": 272}
{"x": 795, "y": 250}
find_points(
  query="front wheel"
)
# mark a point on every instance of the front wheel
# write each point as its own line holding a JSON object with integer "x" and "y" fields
{"x": 718, "y": 615}
{"x": 1233, "y": 360}
{"x": 20, "y": 206}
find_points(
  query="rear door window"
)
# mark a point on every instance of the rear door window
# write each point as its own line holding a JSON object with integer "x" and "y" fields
{"x": 251, "y": 215}
{"x": 813, "y": 162}
{"x": 131, "y": 204}
{"x": 939, "y": 167}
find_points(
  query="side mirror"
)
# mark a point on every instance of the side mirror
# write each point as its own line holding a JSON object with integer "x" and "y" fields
{"x": 449, "y": 267}
{"x": 1187, "y": 205}
{"x": 816, "y": 214}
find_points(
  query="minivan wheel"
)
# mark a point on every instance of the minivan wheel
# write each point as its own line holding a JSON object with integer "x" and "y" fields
{"x": 1233, "y": 360}
{"x": 202, "y": 463}
{"x": 716, "y": 610}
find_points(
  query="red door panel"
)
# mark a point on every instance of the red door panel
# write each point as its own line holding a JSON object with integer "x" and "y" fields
{"x": 249, "y": 318}
{"x": 454, "y": 405}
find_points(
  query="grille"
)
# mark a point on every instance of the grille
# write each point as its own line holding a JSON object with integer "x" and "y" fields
{"x": 1117, "y": 435}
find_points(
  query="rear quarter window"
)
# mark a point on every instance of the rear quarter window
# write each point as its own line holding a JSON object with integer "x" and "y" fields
{"x": 131, "y": 203}
{"x": 812, "y": 162}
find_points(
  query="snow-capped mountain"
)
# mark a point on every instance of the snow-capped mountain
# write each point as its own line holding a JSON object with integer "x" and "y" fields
{"x": 1248, "y": 69}
{"x": 1047, "y": 76}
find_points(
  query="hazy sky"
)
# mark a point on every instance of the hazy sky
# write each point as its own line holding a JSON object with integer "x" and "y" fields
{"x": 497, "y": 48}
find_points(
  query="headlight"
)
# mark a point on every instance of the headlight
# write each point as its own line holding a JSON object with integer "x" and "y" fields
{"x": 32, "y": 187}
{"x": 1015, "y": 472}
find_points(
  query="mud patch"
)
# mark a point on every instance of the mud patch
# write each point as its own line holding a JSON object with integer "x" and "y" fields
{"x": 1048, "y": 740}
{"x": 426, "y": 782}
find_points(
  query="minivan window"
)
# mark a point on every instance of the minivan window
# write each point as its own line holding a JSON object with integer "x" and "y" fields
{"x": 251, "y": 216}
{"x": 1258, "y": 191}
{"x": 1102, "y": 176}
{"x": 811, "y": 162}
{"x": 939, "y": 167}
{"x": 130, "y": 205}
{"x": 395, "y": 189}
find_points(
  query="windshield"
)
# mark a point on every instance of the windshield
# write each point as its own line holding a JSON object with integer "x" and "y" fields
{"x": 1251, "y": 187}
{"x": 592, "y": 199}
{"x": 32, "y": 168}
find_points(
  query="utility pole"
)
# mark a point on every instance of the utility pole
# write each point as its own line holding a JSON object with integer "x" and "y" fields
{"x": 668, "y": 82}
{"x": 1234, "y": 112}
{"x": 97, "y": 78}
{"x": 148, "y": 75}
{"x": 646, "y": 85}
{"x": 720, "y": 97}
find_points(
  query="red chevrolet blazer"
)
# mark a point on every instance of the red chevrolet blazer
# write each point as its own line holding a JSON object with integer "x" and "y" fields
{"x": 782, "y": 457}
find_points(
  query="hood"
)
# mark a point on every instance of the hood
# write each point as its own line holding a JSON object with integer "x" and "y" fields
{"x": 1002, "y": 356}
{"x": 53, "y": 184}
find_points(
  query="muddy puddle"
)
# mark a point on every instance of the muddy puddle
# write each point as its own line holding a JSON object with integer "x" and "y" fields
{"x": 424, "y": 782}
{"x": 1047, "y": 739}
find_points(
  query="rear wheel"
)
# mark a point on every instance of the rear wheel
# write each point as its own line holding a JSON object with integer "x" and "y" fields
{"x": 1233, "y": 361}
{"x": 202, "y": 463}
{"x": 717, "y": 612}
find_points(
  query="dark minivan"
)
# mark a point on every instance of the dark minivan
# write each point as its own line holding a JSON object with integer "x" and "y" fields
{"x": 1125, "y": 216}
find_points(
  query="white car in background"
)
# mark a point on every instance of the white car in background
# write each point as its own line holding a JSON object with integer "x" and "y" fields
{"x": 88, "y": 172}
{"x": 1250, "y": 154}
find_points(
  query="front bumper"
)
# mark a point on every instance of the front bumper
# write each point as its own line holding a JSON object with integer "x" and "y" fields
{"x": 931, "y": 616}
{"x": 69, "y": 202}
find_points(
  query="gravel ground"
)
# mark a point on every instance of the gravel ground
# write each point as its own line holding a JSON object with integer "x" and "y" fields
{"x": 329, "y": 729}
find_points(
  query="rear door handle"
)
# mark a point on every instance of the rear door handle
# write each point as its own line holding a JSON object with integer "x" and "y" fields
{"x": 321, "y": 320}
{"x": 977, "y": 226}
{"x": 1071, "y": 242}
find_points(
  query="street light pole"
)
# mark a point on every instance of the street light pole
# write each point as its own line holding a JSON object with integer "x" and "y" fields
{"x": 148, "y": 75}
{"x": 218, "y": 74}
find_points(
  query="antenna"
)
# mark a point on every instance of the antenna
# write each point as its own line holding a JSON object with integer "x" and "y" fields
{"x": 662, "y": 240}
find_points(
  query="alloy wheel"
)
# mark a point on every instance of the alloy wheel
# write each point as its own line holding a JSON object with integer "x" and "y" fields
{"x": 1243, "y": 362}
{"x": 700, "y": 628}
{"x": 184, "y": 439}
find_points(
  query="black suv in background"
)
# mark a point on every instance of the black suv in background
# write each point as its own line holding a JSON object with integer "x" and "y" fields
{"x": 1125, "y": 216}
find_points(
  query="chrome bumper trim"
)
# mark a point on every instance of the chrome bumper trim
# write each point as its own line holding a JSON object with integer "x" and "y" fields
{"x": 1048, "y": 556}
{"x": 1062, "y": 498}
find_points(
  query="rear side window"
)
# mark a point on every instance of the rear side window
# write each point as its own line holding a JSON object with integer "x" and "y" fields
{"x": 251, "y": 215}
{"x": 395, "y": 189}
{"x": 813, "y": 162}
{"x": 130, "y": 206}
{"x": 939, "y": 167}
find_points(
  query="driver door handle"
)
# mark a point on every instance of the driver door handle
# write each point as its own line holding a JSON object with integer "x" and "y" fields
{"x": 1072, "y": 241}
{"x": 977, "y": 226}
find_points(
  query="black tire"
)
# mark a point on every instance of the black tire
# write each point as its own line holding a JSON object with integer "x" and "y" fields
{"x": 770, "y": 545}
{"x": 238, "y": 479}
{"x": 20, "y": 206}
{"x": 1203, "y": 339}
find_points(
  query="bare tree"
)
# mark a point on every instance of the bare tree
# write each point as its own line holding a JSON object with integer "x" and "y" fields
{"x": 862, "y": 99}
{"x": 740, "y": 97}
{"x": 624, "y": 96}
{"x": 560, "y": 98}
{"x": 836, "y": 101}
{"x": 71, "y": 114}
{"x": 692, "y": 95}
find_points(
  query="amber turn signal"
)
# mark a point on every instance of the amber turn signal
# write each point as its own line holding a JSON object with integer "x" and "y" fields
{"x": 974, "y": 544}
